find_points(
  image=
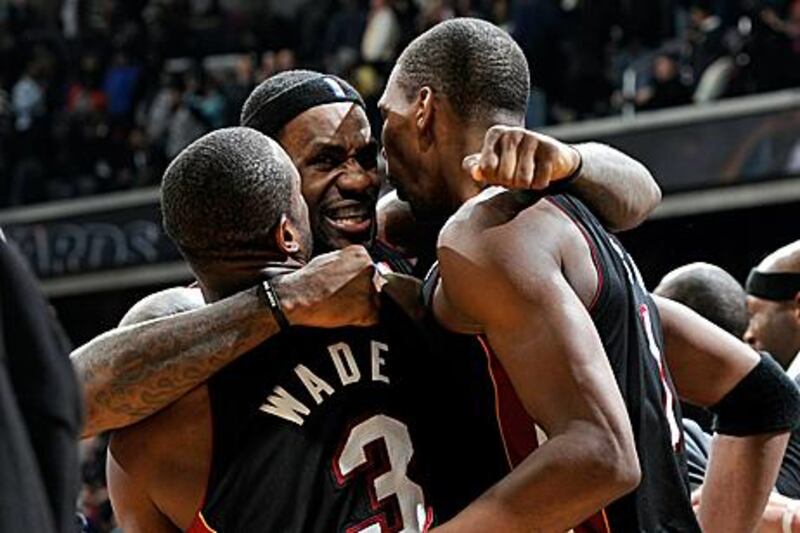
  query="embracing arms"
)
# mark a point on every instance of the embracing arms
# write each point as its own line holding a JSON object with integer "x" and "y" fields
{"x": 618, "y": 188}
{"x": 137, "y": 369}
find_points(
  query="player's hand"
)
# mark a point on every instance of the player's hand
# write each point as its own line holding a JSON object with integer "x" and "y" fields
{"x": 777, "y": 507}
{"x": 516, "y": 158}
{"x": 333, "y": 290}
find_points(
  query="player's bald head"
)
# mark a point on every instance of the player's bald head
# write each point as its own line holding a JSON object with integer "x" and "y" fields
{"x": 773, "y": 289}
{"x": 476, "y": 65}
{"x": 709, "y": 291}
{"x": 785, "y": 259}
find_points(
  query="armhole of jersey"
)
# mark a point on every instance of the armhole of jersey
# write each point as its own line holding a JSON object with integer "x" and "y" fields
{"x": 199, "y": 525}
{"x": 594, "y": 252}
{"x": 516, "y": 428}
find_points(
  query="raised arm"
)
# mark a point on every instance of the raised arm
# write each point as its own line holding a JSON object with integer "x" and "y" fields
{"x": 546, "y": 341}
{"x": 619, "y": 189}
{"x": 147, "y": 363}
{"x": 756, "y": 406}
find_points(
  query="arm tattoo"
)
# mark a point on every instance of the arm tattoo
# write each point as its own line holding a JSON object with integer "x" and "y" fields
{"x": 133, "y": 371}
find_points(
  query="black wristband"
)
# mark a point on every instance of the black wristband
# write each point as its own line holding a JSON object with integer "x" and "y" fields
{"x": 270, "y": 297}
{"x": 764, "y": 401}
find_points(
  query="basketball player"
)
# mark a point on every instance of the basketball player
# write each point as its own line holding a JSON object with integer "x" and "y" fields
{"x": 250, "y": 449}
{"x": 773, "y": 302}
{"x": 132, "y": 372}
{"x": 569, "y": 319}
{"x": 717, "y": 296}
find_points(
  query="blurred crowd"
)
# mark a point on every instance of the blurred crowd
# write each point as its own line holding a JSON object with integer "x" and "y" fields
{"x": 98, "y": 95}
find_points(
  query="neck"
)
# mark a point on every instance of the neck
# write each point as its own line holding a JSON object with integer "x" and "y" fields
{"x": 226, "y": 278}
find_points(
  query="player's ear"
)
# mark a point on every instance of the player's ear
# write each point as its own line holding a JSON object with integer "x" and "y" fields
{"x": 287, "y": 236}
{"x": 424, "y": 115}
{"x": 797, "y": 307}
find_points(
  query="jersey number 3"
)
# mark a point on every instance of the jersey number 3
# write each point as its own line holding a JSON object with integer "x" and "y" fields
{"x": 352, "y": 460}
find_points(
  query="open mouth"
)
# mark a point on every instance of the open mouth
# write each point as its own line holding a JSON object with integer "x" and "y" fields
{"x": 350, "y": 218}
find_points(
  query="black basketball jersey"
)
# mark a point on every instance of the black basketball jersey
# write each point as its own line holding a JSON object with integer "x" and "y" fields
{"x": 628, "y": 323}
{"x": 381, "y": 429}
{"x": 312, "y": 433}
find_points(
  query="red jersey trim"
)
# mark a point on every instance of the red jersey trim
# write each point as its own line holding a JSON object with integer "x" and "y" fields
{"x": 596, "y": 524}
{"x": 199, "y": 525}
{"x": 592, "y": 249}
{"x": 517, "y": 428}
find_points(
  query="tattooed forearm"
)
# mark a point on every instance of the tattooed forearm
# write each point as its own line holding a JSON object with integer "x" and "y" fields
{"x": 619, "y": 189}
{"x": 133, "y": 371}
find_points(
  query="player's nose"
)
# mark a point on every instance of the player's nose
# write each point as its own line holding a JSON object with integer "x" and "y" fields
{"x": 355, "y": 179}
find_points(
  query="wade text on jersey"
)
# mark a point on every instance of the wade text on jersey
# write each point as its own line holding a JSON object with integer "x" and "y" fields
{"x": 282, "y": 404}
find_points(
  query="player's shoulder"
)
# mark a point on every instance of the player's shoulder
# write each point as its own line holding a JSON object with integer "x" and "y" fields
{"x": 499, "y": 221}
{"x": 164, "y": 303}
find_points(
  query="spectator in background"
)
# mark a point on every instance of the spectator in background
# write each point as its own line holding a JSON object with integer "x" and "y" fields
{"x": 31, "y": 127}
{"x": 201, "y": 110}
{"x": 237, "y": 89}
{"x": 667, "y": 88}
{"x": 382, "y": 34}
{"x": 343, "y": 36}
{"x": 706, "y": 36}
{"x": 120, "y": 85}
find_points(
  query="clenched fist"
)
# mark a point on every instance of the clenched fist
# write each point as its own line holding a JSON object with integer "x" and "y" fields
{"x": 516, "y": 158}
{"x": 333, "y": 290}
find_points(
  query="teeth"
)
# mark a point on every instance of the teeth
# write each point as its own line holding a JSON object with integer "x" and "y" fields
{"x": 350, "y": 220}
{"x": 349, "y": 216}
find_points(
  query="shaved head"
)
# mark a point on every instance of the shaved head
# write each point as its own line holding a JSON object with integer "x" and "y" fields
{"x": 785, "y": 259}
{"x": 774, "y": 304}
{"x": 709, "y": 291}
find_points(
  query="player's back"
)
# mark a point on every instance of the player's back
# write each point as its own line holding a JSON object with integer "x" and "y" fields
{"x": 312, "y": 433}
{"x": 627, "y": 320}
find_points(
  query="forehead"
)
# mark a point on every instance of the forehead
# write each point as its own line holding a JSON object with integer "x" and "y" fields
{"x": 393, "y": 90}
{"x": 341, "y": 123}
{"x": 757, "y": 305}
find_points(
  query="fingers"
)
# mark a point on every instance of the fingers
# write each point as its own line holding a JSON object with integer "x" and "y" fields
{"x": 508, "y": 144}
{"x": 526, "y": 163}
{"x": 489, "y": 160}
{"x": 520, "y": 159}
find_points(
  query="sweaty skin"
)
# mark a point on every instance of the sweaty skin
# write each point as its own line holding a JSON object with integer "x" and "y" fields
{"x": 131, "y": 372}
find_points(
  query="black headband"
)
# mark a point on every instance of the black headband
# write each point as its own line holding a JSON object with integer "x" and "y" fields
{"x": 276, "y": 112}
{"x": 776, "y": 286}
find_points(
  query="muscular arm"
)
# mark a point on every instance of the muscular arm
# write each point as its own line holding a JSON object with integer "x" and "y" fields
{"x": 547, "y": 343}
{"x": 618, "y": 188}
{"x": 137, "y": 369}
{"x": 706, "y": 363}
{"x": 147, "y": 363}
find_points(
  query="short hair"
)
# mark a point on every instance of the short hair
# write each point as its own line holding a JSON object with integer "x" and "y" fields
{"x": 225, "y": 192}
{"x": 475, "y": 64}
{"x": 711, "y": 292}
